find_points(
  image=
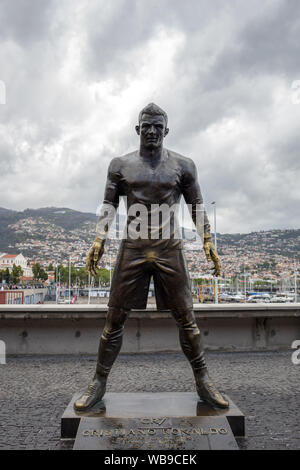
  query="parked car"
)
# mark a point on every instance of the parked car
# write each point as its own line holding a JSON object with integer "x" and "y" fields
{"x": 281, "y": 298}
{"x": 238, "y": 298}
{"x": 265, "y": 298}
{"x": 226, "y": 297}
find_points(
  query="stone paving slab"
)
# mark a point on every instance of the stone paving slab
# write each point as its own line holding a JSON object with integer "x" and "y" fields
{"x": 34, "y": 391}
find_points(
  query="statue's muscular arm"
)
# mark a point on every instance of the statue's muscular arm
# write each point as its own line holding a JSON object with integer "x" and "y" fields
{"x": 107, "y": 212}
{"x": 193, "y": 197}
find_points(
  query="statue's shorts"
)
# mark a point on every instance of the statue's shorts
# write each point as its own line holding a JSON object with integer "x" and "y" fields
{"x": 129, "y": 290}
{"x": 134, "y": 269}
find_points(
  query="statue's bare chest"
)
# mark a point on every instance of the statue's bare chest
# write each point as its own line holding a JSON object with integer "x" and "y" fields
{"x": 153, "y": 182}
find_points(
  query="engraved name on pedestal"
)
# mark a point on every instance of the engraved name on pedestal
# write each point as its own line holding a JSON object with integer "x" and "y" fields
{"x": 155, "y": 433}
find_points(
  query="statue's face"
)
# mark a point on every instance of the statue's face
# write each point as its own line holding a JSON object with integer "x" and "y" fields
{"x": 152, "y": 130}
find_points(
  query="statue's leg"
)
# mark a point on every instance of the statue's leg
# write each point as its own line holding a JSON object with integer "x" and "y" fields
{"x": 109, "y": 348}
{"x": 129, "y": 289}
{"x": 173, "y": 291}
{"x": 111, "y": 340}
{"x": 192, "y": 346}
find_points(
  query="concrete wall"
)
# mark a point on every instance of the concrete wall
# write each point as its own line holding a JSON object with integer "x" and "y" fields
{"x": 75, "y": 329}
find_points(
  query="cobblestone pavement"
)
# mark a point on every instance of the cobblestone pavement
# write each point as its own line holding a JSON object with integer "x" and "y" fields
{"x": 35, "y": 391}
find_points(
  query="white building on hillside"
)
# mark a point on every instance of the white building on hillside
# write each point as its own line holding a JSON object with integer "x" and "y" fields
{"x": 8, "y": 261}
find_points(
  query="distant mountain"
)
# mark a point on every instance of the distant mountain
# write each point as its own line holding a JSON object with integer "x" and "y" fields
{"x": 4, "y": 211}
{"x": 271, "y": 242}
{"x": 67, "y": 219}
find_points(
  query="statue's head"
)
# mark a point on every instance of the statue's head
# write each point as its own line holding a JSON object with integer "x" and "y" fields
{"x": 152, "y": 127}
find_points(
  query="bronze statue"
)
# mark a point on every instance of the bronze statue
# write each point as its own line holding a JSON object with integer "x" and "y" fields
{"x": 150, "y": 176}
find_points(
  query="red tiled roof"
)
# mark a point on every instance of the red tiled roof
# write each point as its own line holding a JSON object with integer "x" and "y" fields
{"x": 9, "y": 256}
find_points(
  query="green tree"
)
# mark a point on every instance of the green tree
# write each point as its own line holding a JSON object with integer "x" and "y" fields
{"x": 82, "y": 276}
{"x": 79, "y": 276}
{"x": 39, "y": 272}
{"x": 50, "y": 267}
{"x": 103, "y": 276}
{"x": 43, "y": 275}
{"x": 200, "y": 281}
{"x": 7, "y": 276}
{"x": 16, "y": 273}
{"x": 36, "y": 271}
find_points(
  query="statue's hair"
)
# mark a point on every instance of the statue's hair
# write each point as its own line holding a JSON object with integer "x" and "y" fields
{"x": 153, "y": 110}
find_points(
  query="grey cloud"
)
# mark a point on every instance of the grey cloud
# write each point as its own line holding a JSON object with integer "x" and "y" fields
{"x": 110, "y": 41}
{"x": 270, "y": 44}
{"x": 25, "y": 21}
{"x": 285, "y": 157}
{"x": 233, "y": 57}
{"x": 7, "y": 159}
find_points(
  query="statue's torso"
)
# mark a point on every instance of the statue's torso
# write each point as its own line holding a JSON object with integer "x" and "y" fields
{"x": 150, "y": 187}
{"x": 141, "y": 183}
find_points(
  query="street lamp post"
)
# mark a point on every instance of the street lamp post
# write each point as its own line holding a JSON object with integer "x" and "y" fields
{"x": 70, "y": 279}
{"x": 295, "y": 279}
{"x": 109, "y": 272}
{"x": 56, "y": 284}
{"x": 70, "y": 260}
{"x": 245, "y": 284}
{"x": 215, "y": 230}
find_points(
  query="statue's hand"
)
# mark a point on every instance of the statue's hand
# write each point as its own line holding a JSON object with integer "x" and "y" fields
{"x": 212, "y": 255}
{"x": 94, "y": 256}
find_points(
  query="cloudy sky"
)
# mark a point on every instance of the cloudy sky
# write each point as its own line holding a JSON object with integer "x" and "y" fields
{"x": 77, "y": 72}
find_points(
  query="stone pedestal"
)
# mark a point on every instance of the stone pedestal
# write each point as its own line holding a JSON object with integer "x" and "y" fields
{"x": 169, "y": 420}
